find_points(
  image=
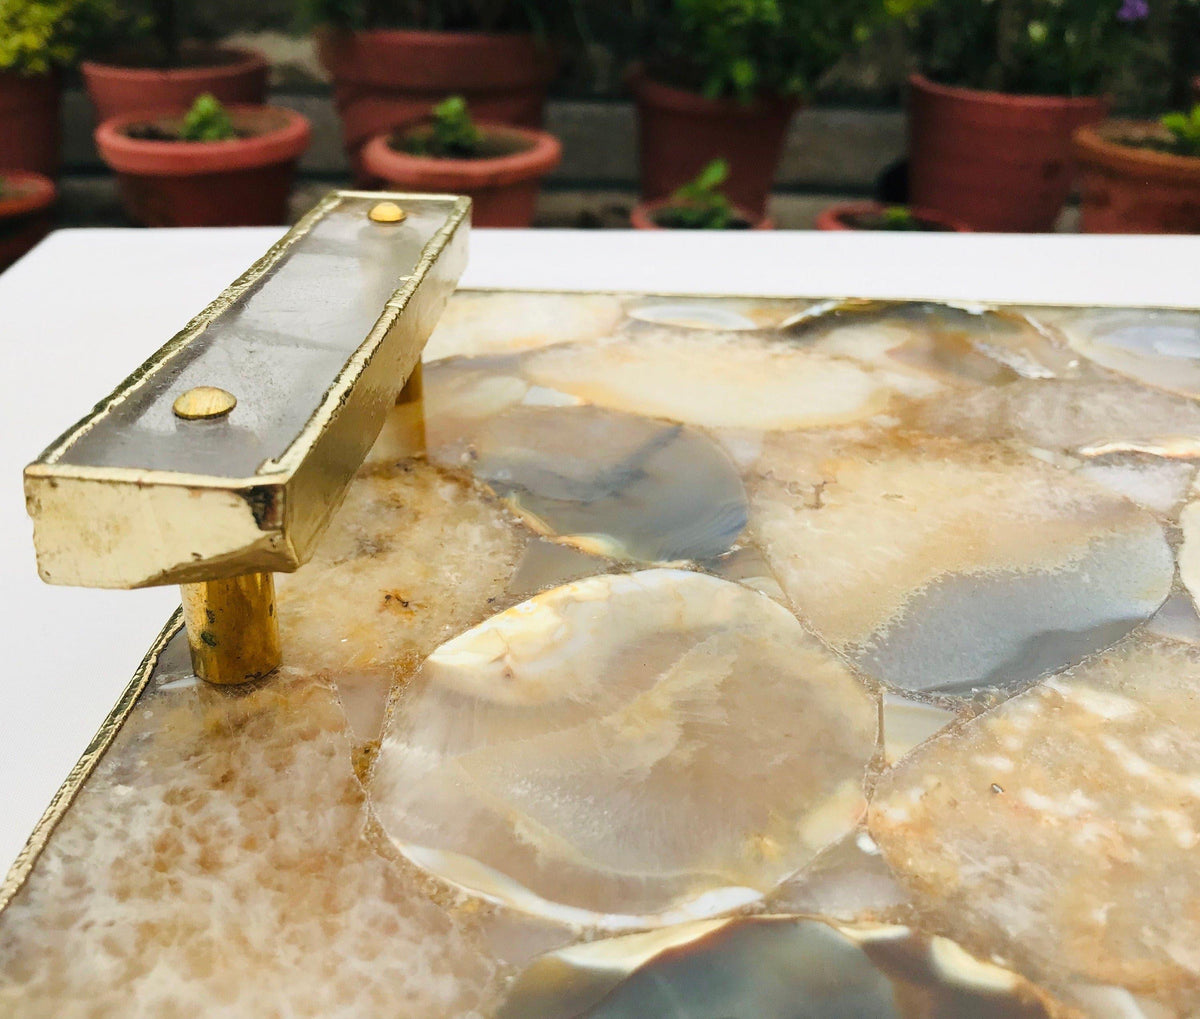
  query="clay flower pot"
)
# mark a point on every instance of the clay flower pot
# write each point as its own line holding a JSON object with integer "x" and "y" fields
{"x": 1130, "y": 189}
{"x": 680, "y": 133}
{"x": 503, "y": 189}
{"x": 25, "y": 212}
{"x": 384, "y": 78}
{"x": 29, "y": 123}
{"x": 997, "y": 162}
{"x": 245, "y": 181}
{"x": 642, "y": 217}
{"x": 843, "y": 216}
{"x": 234, "y": 76}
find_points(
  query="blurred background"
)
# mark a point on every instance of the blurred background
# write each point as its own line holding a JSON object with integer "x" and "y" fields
{"x": 998, "y": 115}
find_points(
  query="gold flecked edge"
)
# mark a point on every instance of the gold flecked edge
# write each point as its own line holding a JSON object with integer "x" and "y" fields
{"x": 23, "y": 866}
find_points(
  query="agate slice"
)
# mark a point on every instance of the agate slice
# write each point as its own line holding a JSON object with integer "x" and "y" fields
{"x": 220, "y": 862}
{"x": 414, "y": 553}
{"x": 478, "y": 323}
{"x": 725, "y": 380}
{"x": 626, "y": 750}
{"x": 719, "y": 314}
{"x": 771, "y": 967}
{"x": 1097, "y": 418}
{"x": 957, "y": 343}
{"x": 1159, "y": 348}
{"x": 1061, "y": 829}
{"x": 607, "y": 483}
{"x": 943, "y": 567}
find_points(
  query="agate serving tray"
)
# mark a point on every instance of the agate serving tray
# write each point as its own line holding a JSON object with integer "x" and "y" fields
{"x": 718, "y": 657}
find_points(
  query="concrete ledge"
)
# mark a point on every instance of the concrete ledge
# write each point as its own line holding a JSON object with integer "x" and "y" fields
{"x": 835, "y": 149}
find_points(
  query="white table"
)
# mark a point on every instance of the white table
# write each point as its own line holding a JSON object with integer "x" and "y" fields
{"x": 88, "y": 306}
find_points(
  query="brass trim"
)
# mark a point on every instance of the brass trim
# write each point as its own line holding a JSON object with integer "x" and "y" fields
{"x": 19, "y": 872}
{"x": 126, "y": 527}
{"x": 232, "y": 628}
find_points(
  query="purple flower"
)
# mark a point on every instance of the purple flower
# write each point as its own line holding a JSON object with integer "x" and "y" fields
{"x": 1133, "y": 10}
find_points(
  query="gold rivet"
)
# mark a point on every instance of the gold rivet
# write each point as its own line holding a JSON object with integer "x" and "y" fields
{"x": 204, "y": 402}
{"x": 387, "y": 212}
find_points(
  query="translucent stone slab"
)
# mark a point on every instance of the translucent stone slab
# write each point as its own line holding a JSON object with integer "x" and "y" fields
{"x": 771, "y": 967}
{"x": 221, "y": 861}
{"x": 608, "y": 483}
{"x": 1160, "y": 348}
{"x": 841, "y": 658}
{"x": 659, "y": 691}
{"x": 943, "y": 567}
{"x": 1060, "y": 829}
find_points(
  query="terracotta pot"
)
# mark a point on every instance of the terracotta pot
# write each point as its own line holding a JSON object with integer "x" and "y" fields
{"x": 240, "y": 182}
{"x": 503, "y": 189}
{"x": 29, "y": 122}
{"x": 1128, "y": 190}
{"x": 234, "y": 76}
{"x": 840, "y": 216}
{"x": 25, "y": 212}
{"x": 385, "y": 78}
{"x": 997, "y": 162}
{"x": 641, "y": 217}
{"x": 679, "y": 133}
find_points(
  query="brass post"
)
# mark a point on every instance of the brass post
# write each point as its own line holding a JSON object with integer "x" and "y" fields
{"x": 412, "y": 400}
{"x": 232, "y": 629}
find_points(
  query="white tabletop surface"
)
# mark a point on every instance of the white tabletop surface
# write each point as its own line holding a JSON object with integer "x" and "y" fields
{"x": 87, "y": 306}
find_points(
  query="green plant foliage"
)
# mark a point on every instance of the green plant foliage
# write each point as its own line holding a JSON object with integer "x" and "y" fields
{"x": 1185, "y": 130}
{"x": 38, "y": 35}
{"x": 743, "y": 49}
{"x": 898, "y": 217}
{"x": 1041, "y": 47}
{"x": 700, "y": 204}
{"x": 545, "y": 17}
{"x": 207, "y": 121}
{"x": 451, "y": 133}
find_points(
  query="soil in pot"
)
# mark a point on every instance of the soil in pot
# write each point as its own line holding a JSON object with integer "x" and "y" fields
{"x": 26, "y": 202}
{"x": 29, "y": 122}
{"x": 128, "y": 84}
{"x": 887, "y": 218}
{"x": 242, "y": 181}
{"x": 502, "y": 177}
{"x": 997, "y": 162}
{"x": 1133, "y": 179}
{"x": 680, "y": 132}
{"x": 383, "y": 78}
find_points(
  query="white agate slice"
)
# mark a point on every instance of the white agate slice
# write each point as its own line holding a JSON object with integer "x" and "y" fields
{"x": 627, "y": 750}
{"x": 946, "y": 567}
{"x": 737, "y": 380}
{"x": 1159, "y": 348}
{"x": 1060, "y": 829}
{"x": 477, "y": 323}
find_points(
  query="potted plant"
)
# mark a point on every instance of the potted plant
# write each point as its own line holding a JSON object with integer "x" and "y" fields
{"x": 1141, "y": 177}
{"x": 500, "y": 166}
{"x": 146, "y": 67}
{"x": 37, "y": 39}
{"x": 209, "y": 167}
{"x": 1004, "y": 86}
{"x": 25, "y": 203}
{"x": 700, "y": 204}
{"x": 391, "y": 61}
{"x": 722, "y": 78}
{"x": 877, "y": 216}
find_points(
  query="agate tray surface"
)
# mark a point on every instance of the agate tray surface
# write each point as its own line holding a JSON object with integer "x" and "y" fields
{"x": 718, "y": 657}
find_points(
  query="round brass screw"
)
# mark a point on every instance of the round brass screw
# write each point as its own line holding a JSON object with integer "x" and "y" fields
{"x": 387, "y": 212}
{"x": 204, "y": 402}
